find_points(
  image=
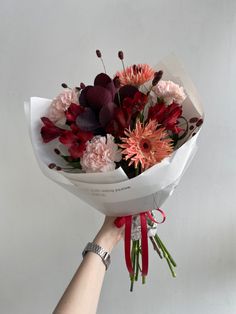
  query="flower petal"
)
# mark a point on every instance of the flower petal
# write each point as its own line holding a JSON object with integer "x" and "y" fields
{"x": 98, "y": 96}
{"x": 67, "y": 138}
{"x": 83, "y": 96}
{"x": 76, "y": 150}
{"x": 105, "y": 81}
{"x": 84, "y": 136}
{"x": 50, "y": 131}
{"x": 47, "y": 122}
{"x": 73, "y": 111}
{"x": 87, "y": 121}
{"x": 102, "y": 79}
{"x": 107, "y": 113}
{"x": 125, "y": 91}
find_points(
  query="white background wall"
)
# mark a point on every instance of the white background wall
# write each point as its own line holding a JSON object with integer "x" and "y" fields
{"x": 43, "y": 228}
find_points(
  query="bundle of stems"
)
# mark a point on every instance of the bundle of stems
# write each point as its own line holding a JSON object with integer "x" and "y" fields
{"x": 136, "y": 252}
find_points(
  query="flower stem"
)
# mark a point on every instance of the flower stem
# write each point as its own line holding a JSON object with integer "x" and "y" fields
{"x": 131, "y": 285}
{"x": 170, "y": 261}
{"x": 137, "y": 170}
{"x": 103, "y": 64}
{"x": 156, "y": 248}
{"x": 133, "y": 256}
{"x": 171, "y": 267}
{"x": 167, "y": 252}
{"x": 143, "y": 280}
{"x": 137, "y": 261}
{"x": 118, "y": 94}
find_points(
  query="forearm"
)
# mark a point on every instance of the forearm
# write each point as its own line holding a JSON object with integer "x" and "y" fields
{"x": 82, "y": 294}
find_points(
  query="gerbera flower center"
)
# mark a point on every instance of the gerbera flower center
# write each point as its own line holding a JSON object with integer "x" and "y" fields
{"x": 145, "y": 145}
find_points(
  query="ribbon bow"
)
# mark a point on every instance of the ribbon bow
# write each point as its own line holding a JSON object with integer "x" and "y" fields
{"x": 127, "y": 221}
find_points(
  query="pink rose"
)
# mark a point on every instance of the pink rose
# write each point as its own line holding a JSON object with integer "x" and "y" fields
{"x": 169, "y": 91}
{"x": 61, "y": 103}
{"x": 100, "y": 154}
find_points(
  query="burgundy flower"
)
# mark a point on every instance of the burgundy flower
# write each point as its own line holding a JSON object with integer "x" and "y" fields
{"x": 167, "y": 115}
{"x": 98, "y": 102}
{"x": 124, "y": 92}
{"x": 120, "y": 122}
{"x": 103, "y": 105}
{"x": 50, "y": 131}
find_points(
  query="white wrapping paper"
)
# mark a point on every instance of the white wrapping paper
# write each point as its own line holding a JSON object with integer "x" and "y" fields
{"x": 113, "y": 193}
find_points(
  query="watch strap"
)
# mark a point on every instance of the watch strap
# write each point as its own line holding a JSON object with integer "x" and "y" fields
{"x": 97, "y": 249}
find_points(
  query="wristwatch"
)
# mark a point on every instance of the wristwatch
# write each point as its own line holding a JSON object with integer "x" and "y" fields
{"x": 95, "y": 248}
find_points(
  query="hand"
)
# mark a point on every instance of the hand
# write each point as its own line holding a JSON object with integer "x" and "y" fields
{"x": 109, "y": 235}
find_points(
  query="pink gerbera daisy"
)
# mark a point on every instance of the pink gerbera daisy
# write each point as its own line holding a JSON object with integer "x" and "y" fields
{"x": 146, "y": 144}
{"x": 136, "y": 74}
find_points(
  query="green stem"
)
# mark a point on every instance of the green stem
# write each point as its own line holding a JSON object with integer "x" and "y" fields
{"x": 133, "y": 257}
{"x": 166, "y": 255}
{"x": 155, "y": 247}
{"x": 165, "y": 249}
{"x": 137, "y": 261}
{"x": 143, "y": 280}
{"x": 131, "y": 285}
{"x": 118, "y": 93}
{"x": 171, "y": 267}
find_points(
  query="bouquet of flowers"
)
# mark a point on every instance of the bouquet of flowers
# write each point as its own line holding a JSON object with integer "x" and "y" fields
{"x": 121, "y": 145}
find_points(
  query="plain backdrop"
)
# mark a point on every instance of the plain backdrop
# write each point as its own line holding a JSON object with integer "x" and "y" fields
{"x": 43, "y": 228}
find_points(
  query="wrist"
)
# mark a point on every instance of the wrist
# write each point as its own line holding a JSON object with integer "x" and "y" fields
{"x": 107, "y": 242}
{"x": 109, "y": 235}
{"x": 100, "y": 251}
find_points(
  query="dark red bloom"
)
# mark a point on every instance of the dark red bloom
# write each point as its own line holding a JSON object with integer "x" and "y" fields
{"x": 166, "y": 115}
{"x": 98, "y": 103}
{"x": 50, "y": 131}
{"x": 119, "y": 123}
{"x": 75, "y": 140}
{"x": 135, "y": 104}
{"x": 72, "y": 112}
{"x": 103, "y": 104}
{"x": 128, "y": 111}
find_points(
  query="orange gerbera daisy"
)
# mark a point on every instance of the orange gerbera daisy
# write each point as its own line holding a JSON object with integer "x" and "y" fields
{"x": 136, "y": 74}
{"x": 146, "y": 144}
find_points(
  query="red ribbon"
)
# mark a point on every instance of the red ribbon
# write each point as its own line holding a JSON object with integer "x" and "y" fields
{"x": 127, "y": 221}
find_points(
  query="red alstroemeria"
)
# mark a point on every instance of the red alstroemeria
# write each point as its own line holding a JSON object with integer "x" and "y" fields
{"x": 136, "y": 104}
{"x": 50, "y": 131}
{"x": 72, "y": 112}
{"x": 166, "y": 115}
{"x": 123, "y": 115}
{"x": 75, "y": 140}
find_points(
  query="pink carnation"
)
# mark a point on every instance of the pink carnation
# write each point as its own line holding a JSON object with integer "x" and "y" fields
{"x": 100, "y": 155}
{"x": 61, "y": 103}
{"x": 169, "y": 91}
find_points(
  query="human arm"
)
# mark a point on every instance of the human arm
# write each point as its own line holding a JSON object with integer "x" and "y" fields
{"x": 82, "y": 294}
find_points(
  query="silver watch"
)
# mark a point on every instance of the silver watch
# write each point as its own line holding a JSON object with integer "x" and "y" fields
{"x": 95, "y": 248}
